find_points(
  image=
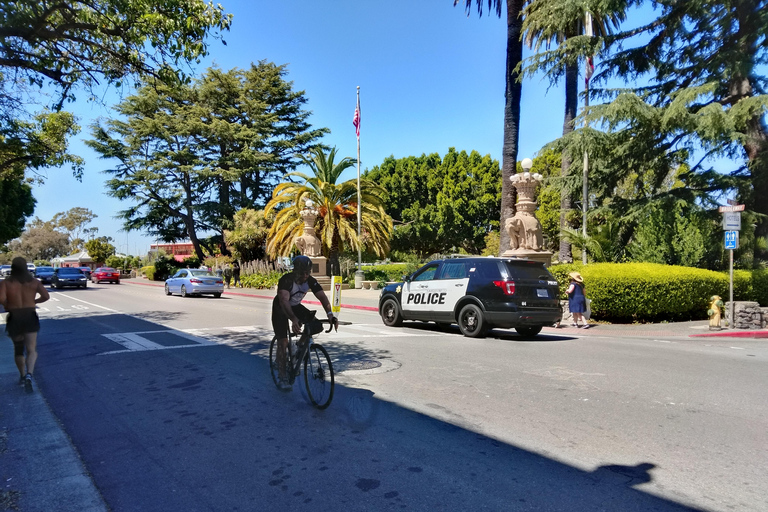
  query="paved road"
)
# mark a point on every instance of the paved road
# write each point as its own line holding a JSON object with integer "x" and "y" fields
{"x": 171, "y": 407}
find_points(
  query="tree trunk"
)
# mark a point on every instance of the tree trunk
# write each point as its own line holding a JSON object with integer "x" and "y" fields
{"x": 511, "y": 117}
{"x": 571, "y": 106}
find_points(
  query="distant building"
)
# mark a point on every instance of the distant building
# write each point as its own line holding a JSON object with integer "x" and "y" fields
{"x": 80, "y": 259}
{"x": 179, "y": 251}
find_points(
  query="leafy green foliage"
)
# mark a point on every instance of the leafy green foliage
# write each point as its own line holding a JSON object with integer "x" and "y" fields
{"x": 261, "y": 280}
{"x": 441, "y": 205}
{"x": 249, "y": 236}
{"x": 676, "y": 234}
{"x": 40, "y": 240}
{"x": 336, "y": 205}
{"x": 99, "y": 249}
{"x": 74, "y": 41}
{"x": 189, "y": 156}
{"x": 16, "y": 204}
{"x": 165, "y": 266}
{"x": 30, "y": 145}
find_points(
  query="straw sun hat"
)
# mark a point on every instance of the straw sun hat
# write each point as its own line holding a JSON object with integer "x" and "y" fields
{"x": 576, "y": 277}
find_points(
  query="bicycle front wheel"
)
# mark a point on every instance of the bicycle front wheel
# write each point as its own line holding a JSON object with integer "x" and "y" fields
{"x": 273, "y": 367}
{"x": 318, "y": 376}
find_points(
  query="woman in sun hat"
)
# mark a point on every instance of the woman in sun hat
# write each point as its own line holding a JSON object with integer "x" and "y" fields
{"x": 577, "y": 301}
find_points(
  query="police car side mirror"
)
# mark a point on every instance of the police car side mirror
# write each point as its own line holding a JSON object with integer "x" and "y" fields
{"x": 406, "y": 278}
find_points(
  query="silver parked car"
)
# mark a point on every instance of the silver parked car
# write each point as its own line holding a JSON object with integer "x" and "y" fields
{"x": 194, "y": 282}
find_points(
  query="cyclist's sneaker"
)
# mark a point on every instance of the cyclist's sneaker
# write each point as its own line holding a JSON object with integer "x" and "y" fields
{"x": 22, "y": 380}
{"x": 284, "y": 385}
{"x": 28, "y": 383}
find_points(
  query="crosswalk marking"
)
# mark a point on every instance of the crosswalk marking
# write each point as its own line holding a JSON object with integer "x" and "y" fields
{"x": 212, "y": 336}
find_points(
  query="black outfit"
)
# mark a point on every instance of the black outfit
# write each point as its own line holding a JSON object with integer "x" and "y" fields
{"x": 236, "y": 273}
{"x": 280, "y": 322}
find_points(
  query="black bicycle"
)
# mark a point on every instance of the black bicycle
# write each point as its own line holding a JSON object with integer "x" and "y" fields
{"x": 318, "y": 371}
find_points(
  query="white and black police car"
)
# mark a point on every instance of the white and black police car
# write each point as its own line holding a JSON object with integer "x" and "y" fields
{"x": 477, "y": 293}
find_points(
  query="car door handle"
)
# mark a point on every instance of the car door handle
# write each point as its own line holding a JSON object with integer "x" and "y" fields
{"x": 423, "y": 286}
{"x": 459, "y": 284}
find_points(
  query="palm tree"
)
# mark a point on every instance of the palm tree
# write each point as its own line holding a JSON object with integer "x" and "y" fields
{"x": 554, "y": 22}
{"x": 512, "y": 103}
{"x": 337, "y": 206}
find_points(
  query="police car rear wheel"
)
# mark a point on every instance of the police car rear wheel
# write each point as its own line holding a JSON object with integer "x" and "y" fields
{"x": 390, "y": 313}
{"x": 472, "y": 322}
{"x": 528, "y": 332}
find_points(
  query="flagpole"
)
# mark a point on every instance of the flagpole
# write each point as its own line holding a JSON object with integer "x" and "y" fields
{"x": 585, "y": 188}
{"x": 359, "y": 273}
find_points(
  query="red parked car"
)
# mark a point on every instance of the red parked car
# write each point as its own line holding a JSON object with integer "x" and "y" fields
{"x": 106, "y": 274}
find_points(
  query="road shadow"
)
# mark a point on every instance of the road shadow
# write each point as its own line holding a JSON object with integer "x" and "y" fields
{"x": 205, "y": 429}
{"x": 501, "y": 334}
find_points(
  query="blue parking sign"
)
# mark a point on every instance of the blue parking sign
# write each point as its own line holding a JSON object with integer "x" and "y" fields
{"x": 731, "y": 239}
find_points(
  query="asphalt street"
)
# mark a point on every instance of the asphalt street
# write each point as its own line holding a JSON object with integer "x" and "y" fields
{"x": 423, "y": 419}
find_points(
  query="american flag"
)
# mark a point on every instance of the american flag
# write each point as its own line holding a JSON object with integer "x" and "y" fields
{"x": 590, "y": 66}
{"x": 356, "y": 119}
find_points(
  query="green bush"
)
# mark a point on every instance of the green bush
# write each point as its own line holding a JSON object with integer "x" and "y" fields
{"x": 645, "y": 292}
{"x": 165, "y": 267}
{"x": 261, "y": 280}
{"x": 149, "y": 271}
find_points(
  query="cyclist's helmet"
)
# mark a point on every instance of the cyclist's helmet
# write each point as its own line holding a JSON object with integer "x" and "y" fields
{"x": 302, "y": 264}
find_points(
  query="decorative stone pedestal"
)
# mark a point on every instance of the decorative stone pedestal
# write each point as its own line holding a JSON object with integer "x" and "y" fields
{"x": 525, "y": 239}
{"x": 544, "y": 257}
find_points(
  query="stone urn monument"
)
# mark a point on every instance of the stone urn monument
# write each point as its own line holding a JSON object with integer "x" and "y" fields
{"x": 308, "y": 244}
{"x": 525, "y": 239}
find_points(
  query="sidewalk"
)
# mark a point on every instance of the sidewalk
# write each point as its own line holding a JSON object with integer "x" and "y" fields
{"x": 40, "y": 469}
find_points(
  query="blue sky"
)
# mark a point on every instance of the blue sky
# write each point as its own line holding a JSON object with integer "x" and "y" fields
{"x": 430, "y": 78}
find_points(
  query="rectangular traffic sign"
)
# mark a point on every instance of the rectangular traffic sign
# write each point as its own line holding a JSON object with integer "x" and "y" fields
{"x": 731, "y": 239}
{"x": 732, "y": 208}
{"x": 732, "y": 221}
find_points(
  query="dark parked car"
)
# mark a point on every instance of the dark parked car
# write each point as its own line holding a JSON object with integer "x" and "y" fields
{"x": 477, "y": 294}
{"x": 44, "y": 274}
{"x": 87, "y": 271}
{"x": 106, "y": 274}
{"x": 68, "y": 276}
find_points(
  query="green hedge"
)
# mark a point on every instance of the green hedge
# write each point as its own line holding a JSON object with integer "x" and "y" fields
{"x": 262, "y": 281}
{"x": 647, "y": 292}
{"x": 149, "y": 272}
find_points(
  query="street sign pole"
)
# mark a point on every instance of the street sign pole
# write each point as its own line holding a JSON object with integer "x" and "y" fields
{"x": 731, "y": 323}
{"x": 732, "y": 226}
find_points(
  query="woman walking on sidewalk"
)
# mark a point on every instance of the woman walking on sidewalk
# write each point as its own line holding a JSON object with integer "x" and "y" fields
{"x": 19, "y": 296}
{"x": 577, "y": 300}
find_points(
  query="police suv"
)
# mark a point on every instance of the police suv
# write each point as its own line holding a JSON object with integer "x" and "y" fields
{"x": 476, "y": 293}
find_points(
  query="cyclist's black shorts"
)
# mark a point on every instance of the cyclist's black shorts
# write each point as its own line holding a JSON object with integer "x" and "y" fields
{"x": 280, "y": 322}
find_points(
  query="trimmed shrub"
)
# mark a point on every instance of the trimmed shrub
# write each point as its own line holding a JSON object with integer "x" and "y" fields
{"x": 261, "y": 280}
{"x": 646, "y": 292}
{"x": 149, "y": 272}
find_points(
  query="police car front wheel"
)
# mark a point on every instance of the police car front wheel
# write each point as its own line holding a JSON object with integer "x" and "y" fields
{"x": 390, "y": 313}
{"x": 472, "y": 322}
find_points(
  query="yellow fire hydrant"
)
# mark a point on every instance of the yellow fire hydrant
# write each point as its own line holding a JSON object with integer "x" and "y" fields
{"x": 714, "y": 313}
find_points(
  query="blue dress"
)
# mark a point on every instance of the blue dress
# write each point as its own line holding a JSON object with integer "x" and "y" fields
{"x": 577, "y": 301}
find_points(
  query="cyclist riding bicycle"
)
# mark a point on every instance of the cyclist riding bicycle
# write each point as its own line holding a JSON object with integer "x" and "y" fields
{"x": 291, "y": 289}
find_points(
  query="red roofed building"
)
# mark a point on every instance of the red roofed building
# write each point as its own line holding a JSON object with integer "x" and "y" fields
{"x": 180, "y": 251}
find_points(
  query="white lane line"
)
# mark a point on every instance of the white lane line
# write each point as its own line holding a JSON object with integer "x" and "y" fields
{"x": 89, "y": 303}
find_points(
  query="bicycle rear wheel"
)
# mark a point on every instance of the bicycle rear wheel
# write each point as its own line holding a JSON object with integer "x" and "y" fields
{"x": 318, "y": 376}
{"x": 273, "y": 368}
